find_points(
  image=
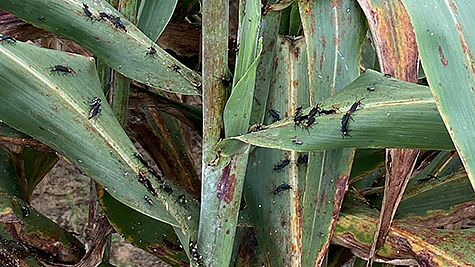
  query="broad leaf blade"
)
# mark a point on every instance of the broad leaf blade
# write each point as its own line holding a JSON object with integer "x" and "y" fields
{"x": 153, "y": 17}
{"x": 325, "y": 188}
{"x": 144, "y": 232}
{"x": 275, "y": 213}
{"x": 445, "y": 39}
{"x": 126, "y": 52}
{"x": 54, "y": 109}
{"x": 394, "y": 102}
{"x": 334, "y": 50}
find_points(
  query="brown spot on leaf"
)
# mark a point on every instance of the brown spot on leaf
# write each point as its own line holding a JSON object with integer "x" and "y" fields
{"x": 465, "y": 48}
{"x": 442, "y": 57}
{"x": 424, "y": 258}
{"x": 227, "y": 184}
{"x": 454, "y": 8}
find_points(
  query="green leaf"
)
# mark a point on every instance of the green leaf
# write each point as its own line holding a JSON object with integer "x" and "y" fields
{"x": 435, "y": 203}
{"x": 274, "y": 216}
{"x": 153, "y": 17}
{"x": 325, "y": 188}
{"x": 265, "y": 66}
{"x": 54, "y": 109}
{"x": 397, "y": 114}
{"x": 36, "y": 164}
{"x": 237, "y": 112}
{"x": 445, "y": 39}
{"x": 144, "y": 232}
{"x": 126, "y": 52}
{"x": 220, "y": 206}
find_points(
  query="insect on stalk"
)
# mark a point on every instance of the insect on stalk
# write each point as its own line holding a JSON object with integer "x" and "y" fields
{"x": 88, "y": 13}
{"x": 281, "y": 188}
{"x": 330, "y": 111}
{"x": 118, "y": 23}
{"x": 141, "y": 159}
{"x": 355, "y": 105}
{"x": 6, "y": 37}
{"x": 63, "y": 69}
{"x": 226, "y": 81}
{"x": 96, "y": 105}
{"x": 149, "y": 200}
{"x": 168, "y": 189}
{"x": 298, "y": 111}
{"x": 182, "y": 199}
{"x": 314, "y": 111}
{"x": 344, "y": 124}
{"x": 302, "y": 159}
{"x": 146, "y": 182}
{"x": 297, "y": 142}
{"x": 299, "y": 118}
{"x": 104, "y": 16}
{"x": 309, "y": 123}
{"x": 282, "y": 165}
{"x": 152, "y": 52}
{"x": 275, "y": 115}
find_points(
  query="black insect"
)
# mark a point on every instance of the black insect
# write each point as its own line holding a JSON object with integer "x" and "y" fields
{"x": 226, "y": 81}
{"x": 64, "y": 69}
{"x": 96, "y": 107}
{"x": 104, "y": 16}
{"x": 275, "y": 115}
{"x": 297, "y": 142}
{"x": 346, "y": 118}
{"x": 182, "y": 199}
{"x": 370, "y": 88}
{"x": 299, "y": 118}
{"x": 314, "y": 111}
{"x": 41, "y": 18}
{"x": 149, "y": 200}
{"x": 141, "y": 159}
{"x": 282, "y": 165}
{"x": 309, "y": 123}
{"x": 118, "y": 23}
{"x": 146, "y": 182}
{"x": 328, "y": 112}
{"x": 387, "y": 75}
{"x": 25, "y": 210}
{"x": 168, "y": 189}
{"x": 154, "y": 173}
{"x": 302, "y": 159}
{"x": 6, "y": 37}
{"x": 344, "y": 124}
{"x": 281, "y": 188}
{"x": 355, "y": 105}
{"x": 298, "y": 111}
{"x": 88, "y": 12}
{"x": 152, "y": 52}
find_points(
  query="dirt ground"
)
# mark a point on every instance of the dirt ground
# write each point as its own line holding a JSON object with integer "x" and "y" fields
{"x": 63, "y": 196}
